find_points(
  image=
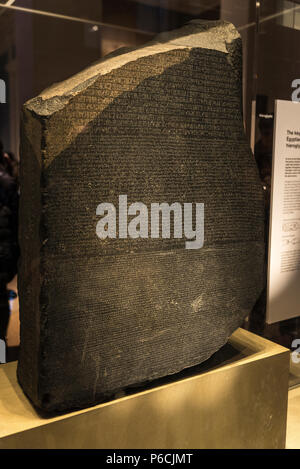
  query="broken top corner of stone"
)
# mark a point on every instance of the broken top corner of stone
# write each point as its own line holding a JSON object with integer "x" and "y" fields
{"x": 215, "y": 35}
{"x": 201, "y": 34}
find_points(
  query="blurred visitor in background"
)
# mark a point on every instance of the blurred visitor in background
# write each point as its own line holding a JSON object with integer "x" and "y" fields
{"x": 263, "y": 149}
{"x": 9, "y": 250}
{"x": 10, "y": 164}
{"x": 263, "y": 156}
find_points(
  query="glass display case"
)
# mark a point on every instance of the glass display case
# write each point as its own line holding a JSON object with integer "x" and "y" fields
{"x": 46, "y": 41}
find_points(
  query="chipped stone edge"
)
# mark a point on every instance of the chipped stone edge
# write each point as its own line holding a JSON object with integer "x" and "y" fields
{"x": 216, "y": 35}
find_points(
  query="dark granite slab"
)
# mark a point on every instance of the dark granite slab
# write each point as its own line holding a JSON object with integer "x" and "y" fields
{"x": 162, "y": 123}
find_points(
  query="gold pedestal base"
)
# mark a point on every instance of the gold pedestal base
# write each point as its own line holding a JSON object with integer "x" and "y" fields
{"x": 241, "y": 403}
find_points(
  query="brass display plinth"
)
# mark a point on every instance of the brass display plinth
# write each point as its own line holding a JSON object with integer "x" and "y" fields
{"x": 239, "y": 403}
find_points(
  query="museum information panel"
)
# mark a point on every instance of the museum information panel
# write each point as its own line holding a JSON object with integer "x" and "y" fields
{"x": 284, "y": 246}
